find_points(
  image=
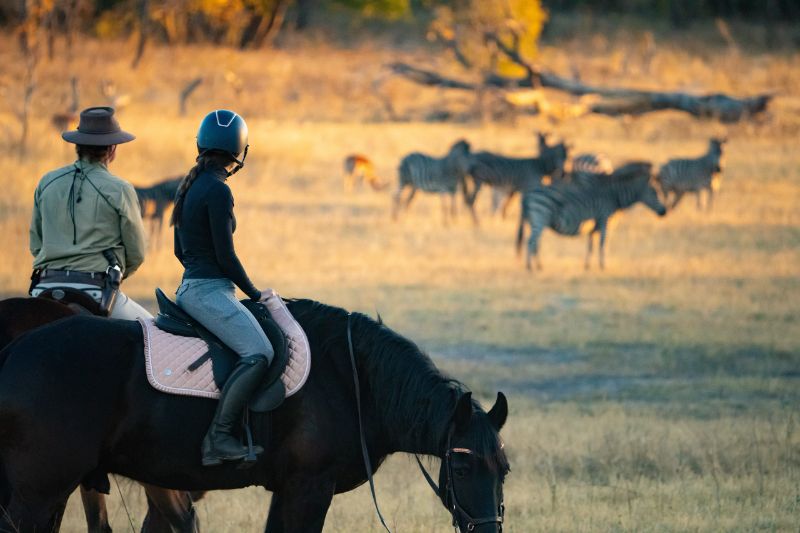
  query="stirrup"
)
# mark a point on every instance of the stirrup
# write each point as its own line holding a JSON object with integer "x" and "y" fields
{"x": 253, "y": 451}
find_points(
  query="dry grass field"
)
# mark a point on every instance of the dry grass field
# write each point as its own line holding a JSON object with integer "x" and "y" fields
{"x": 662, "y": 394}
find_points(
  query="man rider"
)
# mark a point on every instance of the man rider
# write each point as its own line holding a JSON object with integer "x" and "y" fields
{"x": 86, "y": 230}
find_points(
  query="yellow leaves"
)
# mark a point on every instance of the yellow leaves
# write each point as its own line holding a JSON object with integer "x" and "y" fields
{"x": 517, "y": 23}
{"x": 524, "y": 20}
{"x": 221, "y": 9}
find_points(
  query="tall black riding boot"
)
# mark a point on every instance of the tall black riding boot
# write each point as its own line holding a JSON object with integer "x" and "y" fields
{"x": 220, "y": 444}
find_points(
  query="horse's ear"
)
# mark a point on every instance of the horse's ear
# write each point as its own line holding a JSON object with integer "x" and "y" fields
{"x": 499, "y": 413}
{"x": 463, "y": 411}
{"x": 380, "y": 318}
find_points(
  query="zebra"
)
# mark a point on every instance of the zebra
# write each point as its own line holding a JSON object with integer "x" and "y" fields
{"x": 587, "y": 169}
{"x": 679, "y": 176}
{"x": 563, "y": 207}
{"x": 435, "y": 175}
{"x": 158, "y": 196}
{"x": 509, "y": 175}
{"x": 357, "y": 169}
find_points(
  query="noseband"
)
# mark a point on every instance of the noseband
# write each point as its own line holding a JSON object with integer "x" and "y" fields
{"x": 451, "y": 500}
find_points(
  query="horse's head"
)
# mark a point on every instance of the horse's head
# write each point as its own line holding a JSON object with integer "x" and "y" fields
{"x": 474, "y": 466}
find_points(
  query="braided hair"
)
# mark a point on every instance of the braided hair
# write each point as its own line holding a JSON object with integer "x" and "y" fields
{"x": 206, "y": 159}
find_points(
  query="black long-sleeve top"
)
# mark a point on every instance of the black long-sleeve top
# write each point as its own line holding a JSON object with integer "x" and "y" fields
{"x": 204, "y": 236}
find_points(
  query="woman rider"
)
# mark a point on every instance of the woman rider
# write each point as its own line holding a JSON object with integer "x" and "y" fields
{"x": 204, "y": 226}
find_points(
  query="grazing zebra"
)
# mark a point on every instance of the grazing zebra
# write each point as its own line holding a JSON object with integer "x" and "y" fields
{"x": 358, "y": 168}
{"x": 154, "y": 201}
{"x": 435, "y": 175}
{"x": 563, "y": 207}
{"x": 509, "y": 175}
{"x": 680, "y": 176}
{"x": 587, "y": 169}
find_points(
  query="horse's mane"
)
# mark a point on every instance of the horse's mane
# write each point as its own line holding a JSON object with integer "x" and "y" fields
{"x": 411, "y": 394}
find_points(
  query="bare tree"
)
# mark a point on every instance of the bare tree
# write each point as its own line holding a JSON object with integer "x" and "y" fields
{"x": 264, "y": 24}
{"x": 186, "y": 92}
{"x": 29, "y": 34}
{"x": 143, "y": 21}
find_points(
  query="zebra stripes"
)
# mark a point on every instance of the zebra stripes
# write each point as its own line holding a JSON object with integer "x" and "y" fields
{"x": 563, "y": 207}
{"x": 434, "y": 175}
{"x": 587, "y": 169}
{"x": 679, "y": 176}
{"x": 509, "y": 175}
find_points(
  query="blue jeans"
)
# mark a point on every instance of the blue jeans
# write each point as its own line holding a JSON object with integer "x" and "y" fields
{"x": 213, "y": 303}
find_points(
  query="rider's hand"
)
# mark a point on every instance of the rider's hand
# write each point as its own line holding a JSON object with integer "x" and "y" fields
{"x": 266, "y": 294}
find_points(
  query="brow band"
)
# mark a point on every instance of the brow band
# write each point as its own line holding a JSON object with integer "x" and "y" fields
{"x": 462, "y": 450}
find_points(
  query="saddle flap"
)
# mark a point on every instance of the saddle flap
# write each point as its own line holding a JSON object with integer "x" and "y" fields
{"x": 170, "y": 309}
{"x": 172, "y": 325}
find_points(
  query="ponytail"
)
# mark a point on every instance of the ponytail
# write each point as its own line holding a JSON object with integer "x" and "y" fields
{"x": 186, "y": 182}
{"x": 207, "y": 158}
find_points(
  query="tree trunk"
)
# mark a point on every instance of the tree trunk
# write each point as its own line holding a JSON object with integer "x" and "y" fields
{"x": 142, "y": 9}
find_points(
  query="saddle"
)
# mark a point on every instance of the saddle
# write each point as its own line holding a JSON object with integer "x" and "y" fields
{"x": 176, "y": 321}
{"x": 73, "y": 298}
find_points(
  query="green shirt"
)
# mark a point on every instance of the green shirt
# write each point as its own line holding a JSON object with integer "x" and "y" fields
{"x": 78, "y": 215}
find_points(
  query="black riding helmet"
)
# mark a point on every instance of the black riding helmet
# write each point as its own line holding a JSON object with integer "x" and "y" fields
{"x": 224, "y": 131}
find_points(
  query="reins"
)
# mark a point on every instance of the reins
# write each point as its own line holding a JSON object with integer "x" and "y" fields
{"x": 450, "y": 499}
{"x": 364, "y": 451}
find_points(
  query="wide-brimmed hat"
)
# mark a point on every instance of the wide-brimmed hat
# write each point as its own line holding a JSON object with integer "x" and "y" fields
{"x": 98, "y": 127}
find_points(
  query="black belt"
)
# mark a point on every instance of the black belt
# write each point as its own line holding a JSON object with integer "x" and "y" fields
{"x": 72, "y": 276}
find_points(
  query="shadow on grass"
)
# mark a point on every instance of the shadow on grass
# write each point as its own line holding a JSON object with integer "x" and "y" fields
{"x": 698, "y": 381}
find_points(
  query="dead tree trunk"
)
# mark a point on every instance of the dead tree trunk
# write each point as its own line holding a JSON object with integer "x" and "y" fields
{"x": 616, "y": 101}
{"x": 263, "y": 27}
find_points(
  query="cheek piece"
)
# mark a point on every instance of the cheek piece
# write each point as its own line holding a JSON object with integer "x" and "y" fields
{"x": 239, "y": 163}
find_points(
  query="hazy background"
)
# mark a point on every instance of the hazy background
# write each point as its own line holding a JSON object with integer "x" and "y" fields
{"x": 658, "y": 395}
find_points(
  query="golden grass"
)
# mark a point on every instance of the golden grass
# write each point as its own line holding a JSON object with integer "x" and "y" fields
{"x": 659, "y": 395}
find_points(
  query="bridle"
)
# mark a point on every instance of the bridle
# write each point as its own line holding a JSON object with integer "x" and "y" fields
{"x": 449, "y": 499}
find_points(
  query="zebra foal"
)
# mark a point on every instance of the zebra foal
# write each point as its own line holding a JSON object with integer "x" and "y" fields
{"x": 679, "y": 176}
{"x": 439, "y": 175}
{"x": 563, "y": 207}
{"x": 509, "y": 175}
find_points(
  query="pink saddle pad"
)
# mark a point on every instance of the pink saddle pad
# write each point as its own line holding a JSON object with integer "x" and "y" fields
{"x": 168, "y": 356}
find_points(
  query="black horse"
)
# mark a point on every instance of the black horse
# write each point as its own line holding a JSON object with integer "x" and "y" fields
{"x": 75, "y": 404}
{"x": 167, "y": 510}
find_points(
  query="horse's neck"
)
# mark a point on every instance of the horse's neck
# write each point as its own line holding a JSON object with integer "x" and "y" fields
{"x": 421, "y": 425}
{"x": 425, "y": 438}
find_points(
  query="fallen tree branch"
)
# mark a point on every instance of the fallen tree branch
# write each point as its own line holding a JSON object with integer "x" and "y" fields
{"x": 430, "y": 78}
{"x": 619, "y": 101}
